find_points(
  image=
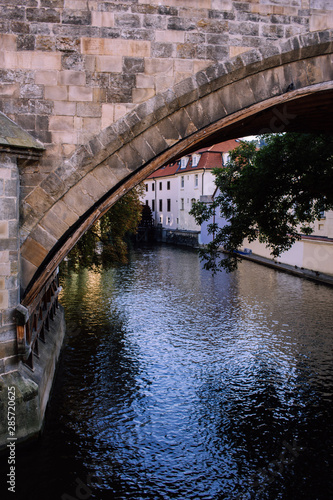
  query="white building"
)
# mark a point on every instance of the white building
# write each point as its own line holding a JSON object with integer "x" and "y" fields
{"x": 311, "y": 253}
{"x": 171, "y": 190}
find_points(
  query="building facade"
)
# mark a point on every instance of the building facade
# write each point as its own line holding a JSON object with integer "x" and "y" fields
{"x": 312, "y": 253}
{"x": 171, "y": 190}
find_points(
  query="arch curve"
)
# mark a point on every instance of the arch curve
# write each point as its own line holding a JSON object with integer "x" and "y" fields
{"x": 286, "y": 86}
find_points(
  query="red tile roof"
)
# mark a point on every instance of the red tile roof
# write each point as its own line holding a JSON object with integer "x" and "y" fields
{"x": 210, "y": 157}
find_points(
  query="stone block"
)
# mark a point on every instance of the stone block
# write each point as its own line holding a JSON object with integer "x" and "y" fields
{"x": 56, "y": 93}
{"x": 27, "y": 42}
{"x": 319, "y": 22}
{"x": 105, "y": 46}
{"x": 168, "y": 36}
{"x": 127, "y": 20}
{"x": 64, "y": 213}
{"x": 36, "y": 60}
{"x": 78, "y": 199}
{"x": 33, "y": 252}
{"x": 144, "y": 81}
{"x": 90, "y": 110}
{"x": 143, "y": 147}
{"x": 53, "y": 185}
{"x": 4, "y": 301}
{"x": 102, "y": 19}
{"x": 186, "y": 91}
{"x": 9, "y": 90}
{"x": 107, "y": 176}
{"x": 54, "y": 225}
{"x": 80, "y": 93}
{"x": 183, "y": 122}
{"x": 141, "y": 95}
{"x": 8, "y": 348}
{"x": 64, "y": 137}
{"x": 27, "y": 272}
{"x": 4, "y": 257}
{"x": 43, "y": 15}
{"x": 76, "y": 17}
{"x": 168, "y": 131}
{"x": 159, "y": 66}
{"x": 107, "y": 115}
{"x": 117, "y": 165}
{"x": 154, "y": 22}
{"x": 92, "y": 186}
{"x": 4, "y": 233}
{"x": 8, "y": 42}
{"x": 63, "y": 108}
{"x": 43, "y": 237}
{"x": 39, "y": 200}
{"x": 11, "y": 188}
{"x": 8, "y": 209}
{"x": 163, "y": 50}
{"x": 155, "y": 140}
{"x": 130, "y": 157}
{"x": 61, "y": 123}
{"x": 8, "y": 244}
{"x": 109, "y": 64}
{"x": 69, "y": 77}
{"x": 91, "y": 125}
{"x": 4, "y": 268}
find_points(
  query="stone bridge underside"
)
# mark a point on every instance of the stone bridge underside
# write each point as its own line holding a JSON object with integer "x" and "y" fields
{"x": 114, "y": 90}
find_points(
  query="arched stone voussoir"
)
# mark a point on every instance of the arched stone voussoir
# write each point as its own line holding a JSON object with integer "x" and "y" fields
{"x": 199, "y": 110}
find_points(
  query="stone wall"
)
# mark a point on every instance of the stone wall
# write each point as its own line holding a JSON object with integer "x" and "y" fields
{"x": 9, "y": 259}
{"x": 70, "y": 68}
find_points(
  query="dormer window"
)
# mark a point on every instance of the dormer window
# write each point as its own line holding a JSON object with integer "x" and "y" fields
{"x": 184, "y": 162}
{"x": 195, "y": 160}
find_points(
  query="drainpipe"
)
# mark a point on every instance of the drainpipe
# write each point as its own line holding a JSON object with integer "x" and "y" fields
{"x": 202, "y": 182}
{"x": 155, "y": 191}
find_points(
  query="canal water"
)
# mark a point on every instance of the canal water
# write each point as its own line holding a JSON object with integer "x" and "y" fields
{"x": 177, "y": 384}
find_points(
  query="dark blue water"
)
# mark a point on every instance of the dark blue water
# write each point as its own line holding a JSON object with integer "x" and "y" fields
{"x": 176, "y": 384}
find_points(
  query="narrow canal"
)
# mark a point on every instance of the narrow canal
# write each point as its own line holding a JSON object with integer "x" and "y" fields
{"x": 177, "y": 384}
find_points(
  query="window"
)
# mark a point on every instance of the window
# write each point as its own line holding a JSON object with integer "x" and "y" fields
{"x": 196, "y": 180}
{"x": 168, "y": 185}
{"x": 183, "y": 162}
{"x": 160, "y": 186}
{"x": 192, "y": 202}
{"x": 181, "y": 203}
{"x": 153, "y": 187}
{"x": 168, "y": 205}
{"x": 169, "y": 220}
{"x": 182, "y": 181}
{"x": 153, "y": 205}
{"x": 146, "y": 187}
{"x": 160, "y": 205}
{"x": 147, "y": 203}
{"x": 195, "y": 160}
{"x": 161, "y": 219}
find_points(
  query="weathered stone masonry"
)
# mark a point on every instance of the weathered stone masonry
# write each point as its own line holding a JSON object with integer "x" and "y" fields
{"x": 69, "y": 68}
{"x": 113, "y": 90}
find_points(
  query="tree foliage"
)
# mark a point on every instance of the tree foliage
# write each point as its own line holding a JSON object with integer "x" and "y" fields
{"x": 273, "y": 194}
{"x": 106, "y": 242}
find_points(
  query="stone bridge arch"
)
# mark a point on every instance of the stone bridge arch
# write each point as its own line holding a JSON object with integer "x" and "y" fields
{"x": 287, "y": 86}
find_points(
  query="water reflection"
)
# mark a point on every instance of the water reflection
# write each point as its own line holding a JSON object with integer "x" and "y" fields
{"x": 176, "y": 384}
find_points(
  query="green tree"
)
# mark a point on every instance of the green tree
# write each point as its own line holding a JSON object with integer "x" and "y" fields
{"x": 273, "y": 194}
{"x": 106, "y": 242}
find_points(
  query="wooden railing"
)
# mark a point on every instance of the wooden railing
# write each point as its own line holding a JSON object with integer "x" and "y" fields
{"x": 33, "y": 322}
